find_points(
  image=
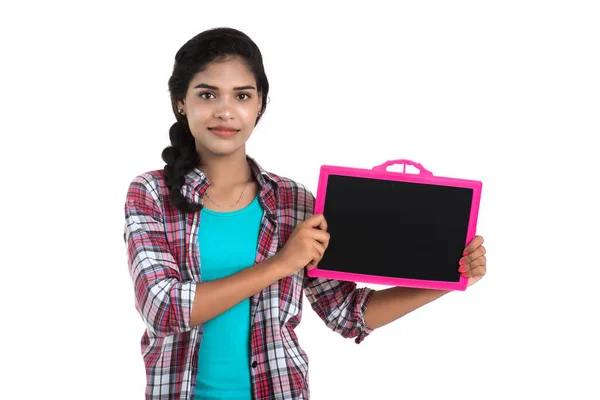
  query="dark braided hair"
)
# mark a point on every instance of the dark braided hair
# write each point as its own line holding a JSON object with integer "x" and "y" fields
{"x": 193, "y": 57}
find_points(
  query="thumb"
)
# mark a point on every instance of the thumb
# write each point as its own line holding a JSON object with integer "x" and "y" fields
{"x": 317, "y": 221}
{"x": 311, "y": 265}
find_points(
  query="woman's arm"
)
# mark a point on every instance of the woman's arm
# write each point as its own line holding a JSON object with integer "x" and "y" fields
{"x": 215, "y": 297}
{"x": 388, "y": 305}
{"x": 167, "y": 304}
{"x": 340, "y": 304}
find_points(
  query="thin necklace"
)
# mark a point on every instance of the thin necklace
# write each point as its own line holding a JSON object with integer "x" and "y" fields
{"x": 233, "y": 205}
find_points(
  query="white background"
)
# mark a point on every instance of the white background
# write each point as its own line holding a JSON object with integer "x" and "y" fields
{"x": 504, "y": 92}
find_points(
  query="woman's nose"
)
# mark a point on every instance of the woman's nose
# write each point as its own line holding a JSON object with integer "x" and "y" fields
{"x": 223, "y": 110}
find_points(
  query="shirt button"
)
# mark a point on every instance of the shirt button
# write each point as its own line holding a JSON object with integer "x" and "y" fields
{"x": 254, "y": 364}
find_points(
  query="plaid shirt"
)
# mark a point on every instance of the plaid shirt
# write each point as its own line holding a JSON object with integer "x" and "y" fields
{"x": 164, "y": 265}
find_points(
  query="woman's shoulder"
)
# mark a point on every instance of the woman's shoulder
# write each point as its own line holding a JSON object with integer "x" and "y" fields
{"x": 287, "y": 185}
{"x": 149, "y": 184}
{"x": 150, "y": 179}
{"x": 284, "y": 185}
{"x": 293, "y": 194}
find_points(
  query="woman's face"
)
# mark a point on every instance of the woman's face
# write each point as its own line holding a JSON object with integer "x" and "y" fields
{"x": 222, "y": 104}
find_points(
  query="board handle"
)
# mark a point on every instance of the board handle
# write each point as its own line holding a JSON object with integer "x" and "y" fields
{"x": 385, "y": 165}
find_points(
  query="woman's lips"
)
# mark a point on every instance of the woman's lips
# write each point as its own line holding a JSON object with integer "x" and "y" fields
{"x": 223, "y": 132}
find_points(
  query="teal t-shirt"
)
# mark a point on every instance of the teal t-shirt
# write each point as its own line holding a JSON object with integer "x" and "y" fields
{"x": 228, "y": 242}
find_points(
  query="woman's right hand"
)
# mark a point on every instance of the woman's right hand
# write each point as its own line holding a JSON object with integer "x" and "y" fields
{"x": 306, "y": 245}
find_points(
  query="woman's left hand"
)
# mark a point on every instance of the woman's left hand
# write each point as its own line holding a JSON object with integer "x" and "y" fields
{"x": 473, "y": 263}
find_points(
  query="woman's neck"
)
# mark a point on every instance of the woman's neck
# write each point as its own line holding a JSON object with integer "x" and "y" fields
{"x": 226, "y": 171}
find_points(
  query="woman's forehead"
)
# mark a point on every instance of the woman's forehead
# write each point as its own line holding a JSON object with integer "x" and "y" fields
{"x": 225, "y": 75}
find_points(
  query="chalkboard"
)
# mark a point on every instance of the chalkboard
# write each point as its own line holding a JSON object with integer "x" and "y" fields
{"x": 397, "y": 229}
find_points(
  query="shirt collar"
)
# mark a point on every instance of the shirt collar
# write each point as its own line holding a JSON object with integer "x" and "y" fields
{"x": 198, "y": 183}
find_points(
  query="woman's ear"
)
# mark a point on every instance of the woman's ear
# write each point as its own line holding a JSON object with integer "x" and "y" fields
{"x": 181, "y": 105}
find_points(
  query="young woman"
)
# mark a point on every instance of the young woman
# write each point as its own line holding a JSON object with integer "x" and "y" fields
{"x": 218, "y": 247}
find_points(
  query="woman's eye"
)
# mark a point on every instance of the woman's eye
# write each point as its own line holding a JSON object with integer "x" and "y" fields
{"x": 245, "y": 96}
{"x": 206, "y": 95}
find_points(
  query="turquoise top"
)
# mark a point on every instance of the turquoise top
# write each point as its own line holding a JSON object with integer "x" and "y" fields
{"x": 228, "y": 242}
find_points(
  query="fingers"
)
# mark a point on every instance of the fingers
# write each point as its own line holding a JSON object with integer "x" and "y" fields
{"x": 474, "y": 268}
{"x": 321, "y": 237}
{"x": 479, "y": 252}
{"x": 317, "y": 221}
{"x": 475, "y": 243}
{"x": 473, "y": 263}
{"x": 477, "y": 270}
{"x": 473, "y": 260}
{"x": 319, "y": 251}
{"x": 323, "y": 226}
{"x": 320, "y": 234}
{"x": 479, "y": 262}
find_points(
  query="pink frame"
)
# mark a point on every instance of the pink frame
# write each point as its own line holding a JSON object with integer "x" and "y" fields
{"x": 380, "y": 172}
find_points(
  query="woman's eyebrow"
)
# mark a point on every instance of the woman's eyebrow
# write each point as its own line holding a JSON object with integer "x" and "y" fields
{"x": 247, "y": 87}
{"x": 207, "y": 86}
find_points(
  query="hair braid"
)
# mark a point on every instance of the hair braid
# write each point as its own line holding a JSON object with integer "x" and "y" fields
{"x": 180, "y": 158}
